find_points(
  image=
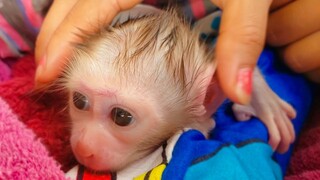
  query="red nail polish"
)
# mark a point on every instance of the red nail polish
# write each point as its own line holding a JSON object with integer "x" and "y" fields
{"x": 244, "y": 81}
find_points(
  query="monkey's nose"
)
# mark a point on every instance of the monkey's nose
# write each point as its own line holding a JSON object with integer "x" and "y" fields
{"x": 83, "y": 150}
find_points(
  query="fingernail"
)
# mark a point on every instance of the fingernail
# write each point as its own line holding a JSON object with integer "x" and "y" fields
{"x": 244, "y": 85}
{"x": 41, "y": 68}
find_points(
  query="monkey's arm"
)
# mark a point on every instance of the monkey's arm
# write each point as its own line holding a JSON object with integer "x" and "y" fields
{"x": 274, "y": 112}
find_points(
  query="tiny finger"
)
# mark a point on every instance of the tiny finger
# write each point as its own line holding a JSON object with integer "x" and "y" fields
{"x": 290, "y": 111}
{"x": 274, "y": 134}
{"x": 286, "y": 133}
{"x": 289, "y": 126}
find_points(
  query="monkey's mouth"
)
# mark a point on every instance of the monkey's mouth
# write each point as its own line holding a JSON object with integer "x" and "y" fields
{"x": 93, "y": 164}
{"x": 98, "y": 165}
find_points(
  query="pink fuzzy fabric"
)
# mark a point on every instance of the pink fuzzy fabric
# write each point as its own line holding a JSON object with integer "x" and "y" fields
{"x": 22, "y": 154}
{"x": 305, "y": 161}
{"x": 34, "y": 136}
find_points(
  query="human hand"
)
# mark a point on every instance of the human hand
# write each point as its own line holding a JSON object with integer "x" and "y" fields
{"x": 295, "y": 29}
{"x": 65, "y": 21}
{"x": 242, "y": 36}
{"x": 240, "y": 42}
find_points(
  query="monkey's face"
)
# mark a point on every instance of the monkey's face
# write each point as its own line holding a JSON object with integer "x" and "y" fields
{"x": 133, "y": 86}
{"x": 111, "y": 126}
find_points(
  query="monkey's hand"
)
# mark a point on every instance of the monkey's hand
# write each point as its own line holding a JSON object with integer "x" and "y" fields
{"x": 275, "y": 113}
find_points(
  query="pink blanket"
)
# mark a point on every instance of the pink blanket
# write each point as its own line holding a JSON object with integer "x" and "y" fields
{"x": 22, "y": 154}
{"x": 305, "y": 162}
{"x": 34, "y": 138}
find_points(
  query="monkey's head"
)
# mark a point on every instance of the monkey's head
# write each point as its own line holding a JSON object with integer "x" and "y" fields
{"x": 132, "y": 86}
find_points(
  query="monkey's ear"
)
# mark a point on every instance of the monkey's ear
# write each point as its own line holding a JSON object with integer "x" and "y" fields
{"x": 214, "y": 97}
{"x": 211, "y": 95}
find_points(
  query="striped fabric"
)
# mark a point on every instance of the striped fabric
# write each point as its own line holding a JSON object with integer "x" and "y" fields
{"x": 20, "y": 21}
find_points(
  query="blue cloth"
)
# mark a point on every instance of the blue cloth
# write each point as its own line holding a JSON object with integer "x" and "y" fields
{"x": 240, "y": 150}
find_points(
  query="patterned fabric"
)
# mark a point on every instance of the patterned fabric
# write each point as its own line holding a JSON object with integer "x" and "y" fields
{"x": 20, "y": 21}
{"x": 153, "y": 174}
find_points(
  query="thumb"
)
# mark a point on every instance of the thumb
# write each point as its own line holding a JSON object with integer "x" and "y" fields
{"x": 240, "y": 42}
{"x": 83, "y": 17}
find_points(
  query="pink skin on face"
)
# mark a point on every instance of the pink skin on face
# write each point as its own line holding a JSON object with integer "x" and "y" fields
{"x": 96, "y": 140}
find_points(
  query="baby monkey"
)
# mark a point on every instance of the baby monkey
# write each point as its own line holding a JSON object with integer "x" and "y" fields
{"x": 134, "y": 85}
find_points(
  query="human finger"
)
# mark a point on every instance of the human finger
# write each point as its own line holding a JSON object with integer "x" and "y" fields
{"x": 97, "y": 14}
{"x": 292, "y": 22}
{"x": 240, "y": 42}
{"x": 314, "y": 75}
{"x": 303, "y": 55}
{"x": 279, "y": 3}
{"x": 56, "y": 14}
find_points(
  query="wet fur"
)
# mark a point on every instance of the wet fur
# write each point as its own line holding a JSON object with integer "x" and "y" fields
{"x": 161, "y": 54}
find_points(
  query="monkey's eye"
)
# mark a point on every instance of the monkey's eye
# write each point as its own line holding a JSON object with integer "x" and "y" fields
{"x": 80, "y": 101}
{"x": 121, "y": 117}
